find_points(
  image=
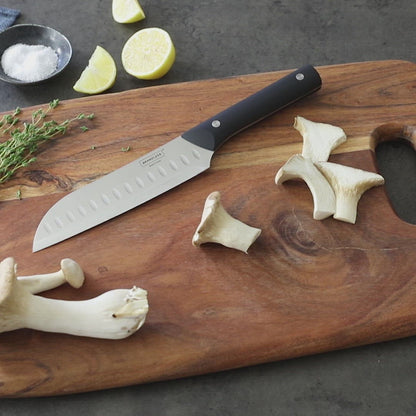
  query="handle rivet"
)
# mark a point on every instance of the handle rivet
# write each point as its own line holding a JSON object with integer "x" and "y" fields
{"x": 216, "y": 123}
{"x": 300, "y": 76}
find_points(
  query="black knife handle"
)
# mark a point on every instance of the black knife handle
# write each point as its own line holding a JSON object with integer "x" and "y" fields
{"x": 212, "y": 133}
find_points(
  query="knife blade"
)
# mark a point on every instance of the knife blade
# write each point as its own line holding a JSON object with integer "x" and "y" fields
{"x": 169, "y": 165}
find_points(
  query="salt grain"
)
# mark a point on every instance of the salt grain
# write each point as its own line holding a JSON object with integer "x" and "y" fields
{"x": 29, "y": 63}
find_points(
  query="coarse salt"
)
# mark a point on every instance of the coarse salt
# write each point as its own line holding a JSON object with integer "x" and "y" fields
{"x": 29, "y": 63}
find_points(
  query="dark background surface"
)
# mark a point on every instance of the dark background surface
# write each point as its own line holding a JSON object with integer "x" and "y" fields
{"x": 216, "y": 39}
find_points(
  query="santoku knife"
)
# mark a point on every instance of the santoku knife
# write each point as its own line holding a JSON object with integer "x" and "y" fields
{"x": 169, "y": 165}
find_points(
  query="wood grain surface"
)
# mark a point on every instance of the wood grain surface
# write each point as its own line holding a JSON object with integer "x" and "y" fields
{"x": 304, "y": 287}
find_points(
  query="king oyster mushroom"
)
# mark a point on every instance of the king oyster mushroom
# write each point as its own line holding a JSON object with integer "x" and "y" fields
{"x": 344, "y": 185}
{"x": 115, "y": 314}
{"x": 319, "y": 139}
{"x": 70, "y": 272}
{"x": 217, "y": 226}
{"x": 323, "y": 196}
{"x": 348, "y": 184}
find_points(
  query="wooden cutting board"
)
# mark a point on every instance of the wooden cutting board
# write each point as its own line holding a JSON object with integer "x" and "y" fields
{"x": 304, "y": 287}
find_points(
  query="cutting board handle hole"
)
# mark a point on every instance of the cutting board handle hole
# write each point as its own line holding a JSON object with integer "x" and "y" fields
{"x": 394, "y": 146}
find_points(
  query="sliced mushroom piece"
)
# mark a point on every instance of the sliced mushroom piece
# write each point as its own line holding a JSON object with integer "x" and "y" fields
{"x": 70, "y": 272}
{"x": 105, "y": 316}
{"x": 217, "y": 226}
{"x": 298, "y": 167}
{"x": 319, "y": 139}
{"x": 348, "y": 184}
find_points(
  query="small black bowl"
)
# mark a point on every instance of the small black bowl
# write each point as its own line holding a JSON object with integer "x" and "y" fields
{"x": 31, "y": 34}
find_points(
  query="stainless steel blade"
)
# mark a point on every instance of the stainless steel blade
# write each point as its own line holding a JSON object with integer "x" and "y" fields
{"x": 124, "y": 189}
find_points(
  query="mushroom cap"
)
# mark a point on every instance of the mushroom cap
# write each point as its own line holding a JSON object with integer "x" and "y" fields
{"x": 7, "y": 277}
{"x": 349, "y": 179}
{"x": 72, "y": 272}
{"x": 319, "y": 139}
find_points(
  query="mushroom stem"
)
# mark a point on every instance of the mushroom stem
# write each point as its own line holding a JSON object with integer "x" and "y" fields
{"x": 347, "y": 206}
{"x": 97, "y": 317}
{"x": 70, "y": 272}
{"x": 323, "y": 195}
{"x": 348, "y": 184}
{"x": 217, "y": 226}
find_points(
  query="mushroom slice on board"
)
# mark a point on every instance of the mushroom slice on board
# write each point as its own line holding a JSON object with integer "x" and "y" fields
{"x": 348, "y": 184}
{"x": 319, "y": 139}
{"x": 299, "y": 167}
{"x": 218, "y": 226}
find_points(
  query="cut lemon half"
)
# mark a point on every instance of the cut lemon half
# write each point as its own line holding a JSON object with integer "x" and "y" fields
{"x": 127, "y": 11}
{"x": 99, "y": 75}
{"x": 148, "y": 54}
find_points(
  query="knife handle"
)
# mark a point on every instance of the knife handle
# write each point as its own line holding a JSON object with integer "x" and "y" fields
{"x": 212, "y": 133}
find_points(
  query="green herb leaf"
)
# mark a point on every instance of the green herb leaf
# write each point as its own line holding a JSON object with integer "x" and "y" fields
{"x": 22, "y": 142}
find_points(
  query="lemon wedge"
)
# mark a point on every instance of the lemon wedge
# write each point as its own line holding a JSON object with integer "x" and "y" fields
{"x": 148, "y": 54}
{"x": 99, "y": 75}
{"x": 127, "y": 11}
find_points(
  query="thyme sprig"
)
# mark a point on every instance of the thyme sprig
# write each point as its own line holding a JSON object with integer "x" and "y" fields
{"x": 22, "y": 142}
